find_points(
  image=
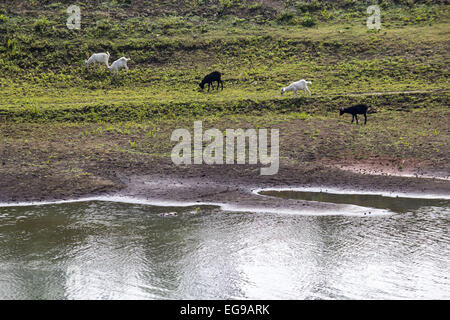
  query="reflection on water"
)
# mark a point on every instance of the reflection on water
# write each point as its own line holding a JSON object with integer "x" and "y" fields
{"x": 101, "y": 250}
{"x": 396, "y": 204}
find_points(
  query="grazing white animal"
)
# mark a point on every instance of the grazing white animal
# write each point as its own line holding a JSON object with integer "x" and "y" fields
{"x": 119, "y": 64}
{"x": 298, "y": 85}
{"x": 98, "y": 58}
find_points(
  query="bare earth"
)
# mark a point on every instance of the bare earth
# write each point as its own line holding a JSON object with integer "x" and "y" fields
{"x": 231, "y": 187}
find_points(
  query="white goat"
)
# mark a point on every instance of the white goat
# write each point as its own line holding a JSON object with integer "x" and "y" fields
{"x": 98, "y": 58}
{"x": 118, "y": 64}
{"x": 298, "y": 85}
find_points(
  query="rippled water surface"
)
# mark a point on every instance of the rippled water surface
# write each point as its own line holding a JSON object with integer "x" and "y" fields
{"x": 105, "y": 250}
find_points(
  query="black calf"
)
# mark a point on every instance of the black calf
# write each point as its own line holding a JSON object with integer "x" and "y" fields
{"x": 355, "y": 110}
{"x": 210, "y": 78}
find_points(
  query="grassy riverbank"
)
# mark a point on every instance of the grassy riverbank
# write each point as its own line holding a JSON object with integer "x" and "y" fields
{"x": 67, "y": 131}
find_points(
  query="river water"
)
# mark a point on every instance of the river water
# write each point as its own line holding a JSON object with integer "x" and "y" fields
{"x": 107, "y": 250}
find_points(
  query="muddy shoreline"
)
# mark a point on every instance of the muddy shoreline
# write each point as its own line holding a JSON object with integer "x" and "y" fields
{"x": 228, "y": 186}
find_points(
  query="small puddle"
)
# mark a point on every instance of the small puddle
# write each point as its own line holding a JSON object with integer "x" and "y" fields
{"x": 395, "y": 204}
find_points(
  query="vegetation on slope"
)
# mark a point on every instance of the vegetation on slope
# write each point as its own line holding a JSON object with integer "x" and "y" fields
{"x": 260, "y": 46}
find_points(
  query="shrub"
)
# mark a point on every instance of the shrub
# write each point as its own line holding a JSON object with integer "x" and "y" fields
{"x": 171, "y": 22}
{"x": 354, "y": 4}
{"x": 287, "y": 17}
{"x": 310, "y": 6}
{"x": 237, "y": 21}
{"x": 226, "y": 3}
{"x": 105, "y": 28}
{"x": 255, "y": 6}
{"x": 12, "y": 46}
{"x": 326, "y": 15}
{"x": 3, "y": 19}
{"x": 41, "y": 25}
{"x": 308, "y": 21}
{"x": 3, "y": 23}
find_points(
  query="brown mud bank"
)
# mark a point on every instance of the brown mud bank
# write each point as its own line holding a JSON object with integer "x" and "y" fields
{"x": 235, "y": 190}
{"x": 231, "y": 187}
{"x": 391, "y": 167}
